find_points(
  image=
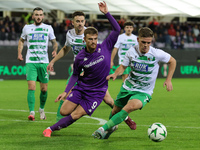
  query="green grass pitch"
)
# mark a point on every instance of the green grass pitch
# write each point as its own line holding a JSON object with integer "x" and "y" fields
{"x": 178, "y": 110}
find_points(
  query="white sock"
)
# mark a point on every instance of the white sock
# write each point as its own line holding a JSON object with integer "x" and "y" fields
{"x": 32, "y": 113}
{"x": 102, "y": 129}
{"x": 49, "y": 128}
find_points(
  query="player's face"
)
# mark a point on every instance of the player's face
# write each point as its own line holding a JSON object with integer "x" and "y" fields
{"x": 78, "y": 23}
{"x": 38, "y": 17}
{"x": 144, "y": 44}
{"x": 91, "y": 42}
{"x": 128, "y": 30}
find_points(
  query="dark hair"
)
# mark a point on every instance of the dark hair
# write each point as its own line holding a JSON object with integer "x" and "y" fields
{"x": 78, "y": 13}
{"x": 128, "y": 23}
{"x": 37, "y": 8}
{"x": 145, "y": 32}
{"x": 90, "y": 30}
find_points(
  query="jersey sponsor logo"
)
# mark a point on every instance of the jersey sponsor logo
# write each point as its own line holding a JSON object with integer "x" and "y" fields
{"x": 141, "y": 67}
{"x": 94, "y": 62}
{"x": 77, "y": 48}
{"x": 37, "y": 36}
{"x": 127, "y": 46}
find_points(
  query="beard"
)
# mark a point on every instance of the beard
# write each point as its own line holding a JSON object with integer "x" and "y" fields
{"x": 38, "y": 23}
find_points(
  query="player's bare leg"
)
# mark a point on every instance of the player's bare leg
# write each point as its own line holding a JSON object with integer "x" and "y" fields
{"x": 108, "y": 99}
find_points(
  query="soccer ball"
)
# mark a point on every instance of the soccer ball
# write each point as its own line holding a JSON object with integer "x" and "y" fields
{"x": 157, "y": 132}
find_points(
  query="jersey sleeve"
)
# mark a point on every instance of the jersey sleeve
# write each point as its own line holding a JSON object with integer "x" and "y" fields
{"x": 51, "y": 33}
{"x": 75, "y": 76}
{"x": 126, "y": 59}
{"x": 117, "y": 44}
{"x": 112, "y": 37}
{"x": 67, "y": 39}
{"x": 163, "y": 56}
{"x": 23, "y": 35}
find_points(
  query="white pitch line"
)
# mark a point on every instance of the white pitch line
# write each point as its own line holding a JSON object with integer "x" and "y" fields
{"x": 101, "y": 121}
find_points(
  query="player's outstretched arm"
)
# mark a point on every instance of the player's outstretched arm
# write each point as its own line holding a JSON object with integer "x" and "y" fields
{"x": 61, "y": 96}
{"x": 103, "y": 7}
{"x": 172, "y": 67}
{"x": 119, "y": 71}
{"x": 20, "y": 48}
{"x": 61, "y": 54}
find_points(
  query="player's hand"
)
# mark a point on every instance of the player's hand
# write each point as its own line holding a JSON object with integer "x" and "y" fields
{"x": 62, "y": 96}
{"x": 168, "y": 85}
{"x": 50, "y": 67}
{"x": 54, "y": 53}
{"x": 20, "y": 57}
{"x": 113, "y": 76}
{"x": 103, "y": 7}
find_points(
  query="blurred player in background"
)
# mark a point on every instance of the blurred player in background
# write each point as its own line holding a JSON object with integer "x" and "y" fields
{"x": 137, "y": 89}
{"x": 124, "y": 42}
{"x": 37, "y": 35}
{"x": 91, "y": 88}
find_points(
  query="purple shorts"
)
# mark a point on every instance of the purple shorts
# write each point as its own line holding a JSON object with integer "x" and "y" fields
{"x": 89, "y": 100}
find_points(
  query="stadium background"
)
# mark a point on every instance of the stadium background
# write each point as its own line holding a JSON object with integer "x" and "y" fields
{"x": 176, "y": 25}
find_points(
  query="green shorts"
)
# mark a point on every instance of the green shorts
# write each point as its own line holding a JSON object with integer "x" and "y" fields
{"x": 128, "y": 69}
{"x": 37, "y": 72}
{"x": 124, "y": 96}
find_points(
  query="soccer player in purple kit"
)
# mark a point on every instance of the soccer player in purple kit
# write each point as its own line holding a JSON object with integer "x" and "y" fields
{"x": 91, "y": 88}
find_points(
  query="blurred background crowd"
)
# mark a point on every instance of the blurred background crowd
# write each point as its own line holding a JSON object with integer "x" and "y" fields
{"x": 168, "y": 35}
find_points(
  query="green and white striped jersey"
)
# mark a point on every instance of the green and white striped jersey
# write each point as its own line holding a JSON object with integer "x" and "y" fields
{"x": 37, "y": 42}
{"x": 123, "y": 44}
{"x": 144, "y": 68}
{"x": 76, "y": 42}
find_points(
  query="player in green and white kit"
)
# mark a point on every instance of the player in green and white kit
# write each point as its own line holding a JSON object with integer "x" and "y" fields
{"x": 138, "y": 87}
{"x": 124, "y": 42}
{"x": 37, "y": 36}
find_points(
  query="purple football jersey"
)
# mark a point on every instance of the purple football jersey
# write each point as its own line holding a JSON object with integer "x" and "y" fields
{"x": 96, "y": 65}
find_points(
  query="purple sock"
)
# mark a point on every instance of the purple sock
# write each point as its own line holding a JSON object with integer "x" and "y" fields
{"x": 63, "y": 123}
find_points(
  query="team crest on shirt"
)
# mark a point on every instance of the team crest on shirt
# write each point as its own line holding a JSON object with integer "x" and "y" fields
{"x": 150, "y": 58}
{"x": 99, "y": 50}
{"x": 71, "y": 95}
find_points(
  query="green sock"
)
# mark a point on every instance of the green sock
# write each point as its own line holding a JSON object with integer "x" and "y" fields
{"x": 43, "y": 98}
{"x": 31, "y": 99}
{"x": 110, "y": 115}
{"x": 116, "y": 119}
{"x": 59, "y": 116}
